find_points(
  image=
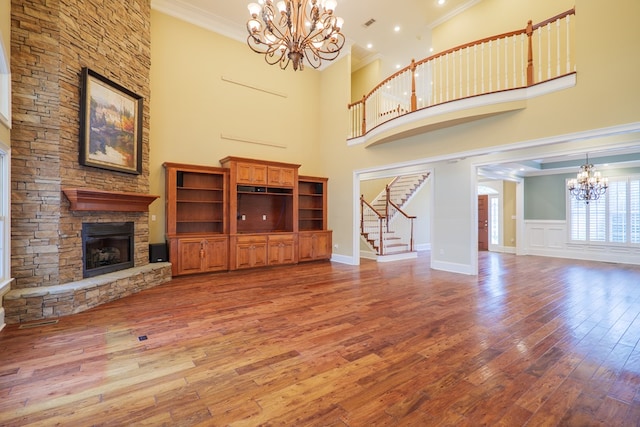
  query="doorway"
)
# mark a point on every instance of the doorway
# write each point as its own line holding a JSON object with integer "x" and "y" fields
{"x": 483, "y": 222}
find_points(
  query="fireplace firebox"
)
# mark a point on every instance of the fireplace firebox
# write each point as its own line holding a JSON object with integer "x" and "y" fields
{"x": 106, "y": 247}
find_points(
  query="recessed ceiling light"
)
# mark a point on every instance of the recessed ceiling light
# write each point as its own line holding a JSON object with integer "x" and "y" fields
{"x": 430, "y": 49}
{"x": 369, "y": 45}
{"x": 441, "y": 2}
{"x": 398, "y": 66}
{"x": 396, "y": 28}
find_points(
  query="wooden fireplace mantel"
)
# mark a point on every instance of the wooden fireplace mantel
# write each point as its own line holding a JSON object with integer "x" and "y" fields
{"x": 89, "y": 199}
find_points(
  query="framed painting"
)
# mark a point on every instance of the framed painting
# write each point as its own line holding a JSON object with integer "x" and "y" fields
{"x": 110, "y": 125}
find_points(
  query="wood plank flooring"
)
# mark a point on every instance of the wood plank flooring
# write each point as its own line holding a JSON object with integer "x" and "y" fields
{"x": 530, "y": 341}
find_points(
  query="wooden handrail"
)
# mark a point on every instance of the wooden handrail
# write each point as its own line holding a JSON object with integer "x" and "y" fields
{"x": 364, "y": 203}
{"x": 555, "y": 18}
{"x": 470, "y": 44}
{"x": 413, "y": 100}
{"x": 409, "y": 217}
{"x": 371, "y": 207}
{"x": 401, "y": 211}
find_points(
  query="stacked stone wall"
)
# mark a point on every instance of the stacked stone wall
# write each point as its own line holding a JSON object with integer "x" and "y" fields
{"x": 51, "y": 41}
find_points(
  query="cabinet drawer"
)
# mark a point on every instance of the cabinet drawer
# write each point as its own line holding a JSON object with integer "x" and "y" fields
{"x": 284, "y": 238}
{"x": 251, "y": 239}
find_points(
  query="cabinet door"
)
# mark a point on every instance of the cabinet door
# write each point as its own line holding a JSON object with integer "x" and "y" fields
{"x": 248, "y": 173}
{"x": 281, "y": 177}
{"x": 305, "y": 247}
{"x": 282, "y": 250}
{"x": 322, "y": 245}
{"x": 251, "y": 253}
{"x": 216, "y": 258}
{"x": 314, "y": 245}
{"x": 190, "y": 254}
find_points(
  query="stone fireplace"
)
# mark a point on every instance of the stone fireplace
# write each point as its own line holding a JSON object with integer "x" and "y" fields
{"x": 106, "y": 247}
{"x": 108, "y": 259}
{"x": 53, "y": 195}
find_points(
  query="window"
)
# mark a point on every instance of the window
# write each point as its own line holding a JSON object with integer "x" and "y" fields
{"x": 5, "y": 253}
{"x": 5, "y": 87}
{"x": 613, "y": 218}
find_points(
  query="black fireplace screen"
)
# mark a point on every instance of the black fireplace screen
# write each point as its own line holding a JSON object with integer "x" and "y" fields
{"x": 107, "y": 247}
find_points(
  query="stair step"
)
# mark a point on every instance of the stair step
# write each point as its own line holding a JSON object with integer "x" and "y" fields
{"x": 400, "y": 192}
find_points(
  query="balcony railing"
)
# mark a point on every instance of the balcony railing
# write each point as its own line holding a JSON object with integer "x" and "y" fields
{"x": 512, "y": 60}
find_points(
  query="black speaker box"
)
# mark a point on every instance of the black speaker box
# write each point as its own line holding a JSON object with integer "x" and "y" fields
{"x": 158, "y": 252}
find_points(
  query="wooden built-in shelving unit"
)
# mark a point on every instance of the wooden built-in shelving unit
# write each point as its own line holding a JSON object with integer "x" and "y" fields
{"x": 248, "y": 213}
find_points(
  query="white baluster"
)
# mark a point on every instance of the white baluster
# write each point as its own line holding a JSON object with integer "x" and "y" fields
{"x": 568, "y": 23}
{"x": 468, "y": 72}
{"x": 523, "y": 59}
{"x": 475, "y": 69}
{"x": 558, "y": 47}
{"x": 446, "y": 88}
{"x": 482, "y": 68}
{"x": 490, "y": 66}
{"x": 506, "y": 63}
{"x": 539, "y": 32}
{"x": 515, "y": 54}
{"x": 440, "y": 81}
{"x": 548, "y": 51}
{"x": 453, "y": 76}
{"x": 460, "y": 68}
{"x": 498, "y": 65}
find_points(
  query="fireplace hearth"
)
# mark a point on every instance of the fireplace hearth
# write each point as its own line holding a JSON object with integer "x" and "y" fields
{"x": 106, "y": 247}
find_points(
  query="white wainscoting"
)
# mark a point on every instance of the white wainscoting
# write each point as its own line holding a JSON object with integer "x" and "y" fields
{"x": 550, "y": 238}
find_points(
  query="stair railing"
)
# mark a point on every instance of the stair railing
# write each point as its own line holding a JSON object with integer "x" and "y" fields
{"x": 512, "y": 60}
{"x": 393, "y": 210}
{"x": 368, "y": 212}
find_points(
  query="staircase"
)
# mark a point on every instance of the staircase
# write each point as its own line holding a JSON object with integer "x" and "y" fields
{"x": 381, "y": 214}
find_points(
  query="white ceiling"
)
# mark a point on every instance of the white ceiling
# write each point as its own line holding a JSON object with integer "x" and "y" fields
{"x": 415, "y": 18}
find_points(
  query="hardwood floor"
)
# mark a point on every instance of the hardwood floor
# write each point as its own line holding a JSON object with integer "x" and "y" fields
{"x": 530, "y": 341}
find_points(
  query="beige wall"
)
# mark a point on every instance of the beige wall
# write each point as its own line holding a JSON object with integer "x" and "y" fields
{"x": 5, "y": 44}
{"x": 192, "y": 106}
{"x": 275, "y": 114}
{"x": 489, "y": 17}
{"x": 370, "y": 188}
{"x": 364, "y": 80}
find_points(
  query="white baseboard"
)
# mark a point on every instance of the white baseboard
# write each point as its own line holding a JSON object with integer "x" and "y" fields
{"x": 342, "y": 259}
{"x": 423, "y": 247}
{"x": 452, "y": 267}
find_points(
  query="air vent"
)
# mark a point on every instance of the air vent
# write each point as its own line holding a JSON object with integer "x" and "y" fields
{"x": 369, "y": 23}
{"x": 37, "y": 324}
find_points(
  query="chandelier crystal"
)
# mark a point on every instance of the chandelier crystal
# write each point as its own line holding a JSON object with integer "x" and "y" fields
{"x": 589, "y": 185}
{"x": 295, "y": 31}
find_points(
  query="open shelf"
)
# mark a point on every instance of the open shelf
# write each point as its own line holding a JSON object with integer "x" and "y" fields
{"x": 312, "y": 203}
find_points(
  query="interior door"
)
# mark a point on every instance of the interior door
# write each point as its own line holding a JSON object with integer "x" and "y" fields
{"x": 483, "y": 223}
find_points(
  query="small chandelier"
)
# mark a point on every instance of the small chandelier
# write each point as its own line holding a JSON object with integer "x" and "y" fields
{"x": 298, "y": 30}
{"x": 589, "y": 185}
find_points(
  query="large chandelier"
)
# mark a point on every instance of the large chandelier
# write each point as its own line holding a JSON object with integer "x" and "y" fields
{"x": 297, "y": 30}
{"x": 589, "y": 185}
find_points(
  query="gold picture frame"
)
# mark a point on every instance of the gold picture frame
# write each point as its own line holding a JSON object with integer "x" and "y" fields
{"x": 110, "y": 125}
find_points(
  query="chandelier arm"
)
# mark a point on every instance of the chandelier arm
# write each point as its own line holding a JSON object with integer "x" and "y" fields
{"x": 333, "y": 48}
{"x": 275, "y": 56}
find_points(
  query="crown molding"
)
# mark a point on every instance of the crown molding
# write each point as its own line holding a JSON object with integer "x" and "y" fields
{"x": 201, "y": 18}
